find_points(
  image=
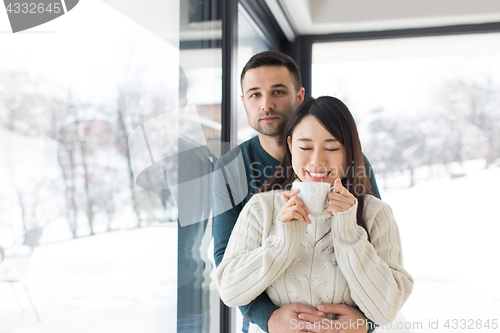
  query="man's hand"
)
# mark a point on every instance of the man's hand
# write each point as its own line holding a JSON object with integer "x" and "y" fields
{"x": 286, "y": 320}
{"x": 349, "y": 320}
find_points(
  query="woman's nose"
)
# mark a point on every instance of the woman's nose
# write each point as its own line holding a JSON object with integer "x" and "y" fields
{"x": 318, "y": 158}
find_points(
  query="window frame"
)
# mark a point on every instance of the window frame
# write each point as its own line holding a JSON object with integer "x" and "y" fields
{"x": 301, "y": 50}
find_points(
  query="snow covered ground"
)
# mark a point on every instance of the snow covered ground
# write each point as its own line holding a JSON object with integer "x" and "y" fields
{"x": 126, "y": 281}
{"x": 450, "y": 230}
{"x": 115, "y": 282}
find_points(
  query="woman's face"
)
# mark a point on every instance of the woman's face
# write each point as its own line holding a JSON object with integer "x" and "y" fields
{"x": 316, "y": 155}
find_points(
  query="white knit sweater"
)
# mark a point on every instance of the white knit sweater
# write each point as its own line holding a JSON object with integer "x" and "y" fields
{"x": 293, "y": 262}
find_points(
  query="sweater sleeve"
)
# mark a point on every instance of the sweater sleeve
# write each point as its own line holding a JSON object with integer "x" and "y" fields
{"x": 374, "y": 271}
{"x": 260, "y": 309}
{"x": 252, "y": 260}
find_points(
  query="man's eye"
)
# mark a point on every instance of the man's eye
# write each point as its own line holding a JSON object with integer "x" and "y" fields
{"x": 279, "y": 92}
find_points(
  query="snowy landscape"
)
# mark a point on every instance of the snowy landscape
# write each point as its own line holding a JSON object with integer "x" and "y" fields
{"x": 449, "y": 231}
{"x": 117, "y": 282}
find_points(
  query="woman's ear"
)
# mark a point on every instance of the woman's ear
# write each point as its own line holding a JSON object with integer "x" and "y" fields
{"x": 289, "y": 141}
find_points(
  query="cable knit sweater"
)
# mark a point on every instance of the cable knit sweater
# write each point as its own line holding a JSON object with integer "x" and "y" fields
{"x": 296, "y": 262}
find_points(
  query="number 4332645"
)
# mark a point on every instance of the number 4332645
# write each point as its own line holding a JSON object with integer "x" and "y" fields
{"x": 471, "y": 324}
{"x": 34, "y": 8}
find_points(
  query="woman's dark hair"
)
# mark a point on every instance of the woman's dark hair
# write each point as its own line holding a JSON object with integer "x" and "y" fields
{"x": 274, "y": 58}
{"x": 336, "y": 118}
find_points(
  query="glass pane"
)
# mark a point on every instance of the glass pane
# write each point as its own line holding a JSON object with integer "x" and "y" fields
{"x": 427, "y": 112}
{"x": 198, "y": 304}
{"x": 250, "y": 42}
{"x": 100, "y": 113}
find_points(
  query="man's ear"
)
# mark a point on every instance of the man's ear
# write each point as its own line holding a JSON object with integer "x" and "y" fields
{"x": 300, "y": 95}
{"x": 242, "y": 99}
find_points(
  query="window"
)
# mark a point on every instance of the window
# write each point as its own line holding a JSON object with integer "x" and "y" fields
{"x": 428, "y": 117}
{"x": 250, "y": 41}
{"x": 73, "y": 93}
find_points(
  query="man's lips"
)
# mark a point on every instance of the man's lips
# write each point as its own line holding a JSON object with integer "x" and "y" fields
{"x": 268, "y": 119}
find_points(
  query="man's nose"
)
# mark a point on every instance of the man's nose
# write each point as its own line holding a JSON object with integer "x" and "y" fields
{"x": 267, "y": 103}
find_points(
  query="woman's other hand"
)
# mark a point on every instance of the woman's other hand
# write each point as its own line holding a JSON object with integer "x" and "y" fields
{"x": 340, "y": 199}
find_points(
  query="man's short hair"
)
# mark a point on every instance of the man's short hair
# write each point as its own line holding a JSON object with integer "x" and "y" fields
{"x": 274, "y": 58}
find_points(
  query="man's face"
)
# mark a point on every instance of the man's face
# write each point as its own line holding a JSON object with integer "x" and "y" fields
{"x": 269, "y": 97}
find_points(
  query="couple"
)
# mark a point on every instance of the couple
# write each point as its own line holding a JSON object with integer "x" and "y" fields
{"x": 288, "y": 269}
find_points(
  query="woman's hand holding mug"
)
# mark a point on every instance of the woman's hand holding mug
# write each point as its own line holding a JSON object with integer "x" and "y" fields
{"x": 293, "y": 208}
{"x": 340, "y": 199}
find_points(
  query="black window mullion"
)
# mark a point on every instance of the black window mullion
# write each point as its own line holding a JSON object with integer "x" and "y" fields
{"x": 229, "y": 66}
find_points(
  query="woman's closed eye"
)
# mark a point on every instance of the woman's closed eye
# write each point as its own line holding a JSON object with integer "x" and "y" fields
{"x": 333, "y": 149}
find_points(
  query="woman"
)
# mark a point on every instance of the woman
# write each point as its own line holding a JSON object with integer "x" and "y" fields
{"x": 348, "y": 254}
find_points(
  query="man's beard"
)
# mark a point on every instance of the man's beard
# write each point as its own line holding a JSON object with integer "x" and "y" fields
{"x": 273, "y": 131}
{"x": 278, "y": 129}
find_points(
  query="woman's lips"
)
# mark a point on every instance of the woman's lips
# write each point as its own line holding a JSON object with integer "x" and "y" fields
{"x": 318, "y": 176}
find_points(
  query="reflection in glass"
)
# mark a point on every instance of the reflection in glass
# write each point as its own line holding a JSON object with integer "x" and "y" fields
{"x": 199, "y": 126}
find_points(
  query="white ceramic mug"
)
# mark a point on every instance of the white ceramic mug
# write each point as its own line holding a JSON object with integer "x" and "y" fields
{"x": 313, "y": 194}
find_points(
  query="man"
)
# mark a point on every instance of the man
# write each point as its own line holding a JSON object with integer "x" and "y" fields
{"x": 271, "y": 91}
